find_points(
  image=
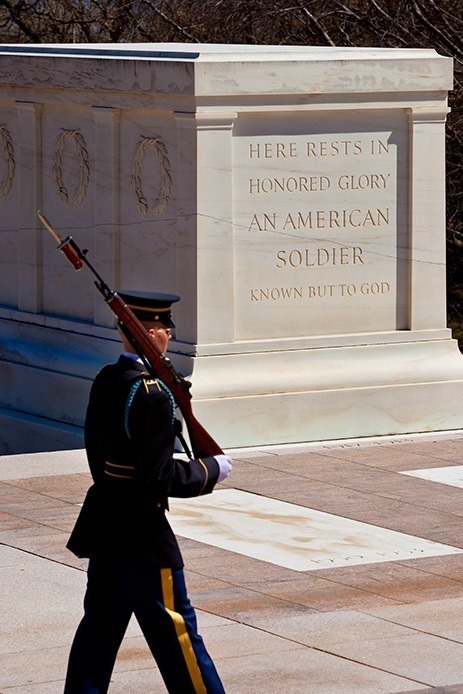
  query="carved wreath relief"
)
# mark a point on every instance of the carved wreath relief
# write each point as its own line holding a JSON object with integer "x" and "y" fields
{"x": 165, "y": 179}
{"x": 74, "y": 138}
{"x": 8, "y": 159}
{"x": 81, "y": 155}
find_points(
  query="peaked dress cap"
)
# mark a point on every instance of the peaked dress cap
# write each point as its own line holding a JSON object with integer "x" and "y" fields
{"x": 150, "y": 306}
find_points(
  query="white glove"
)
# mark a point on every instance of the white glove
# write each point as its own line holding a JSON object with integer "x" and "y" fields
{"x": 225, "y": 465}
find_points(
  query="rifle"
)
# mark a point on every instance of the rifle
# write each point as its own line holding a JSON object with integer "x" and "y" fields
{"x": 158, "y": 365}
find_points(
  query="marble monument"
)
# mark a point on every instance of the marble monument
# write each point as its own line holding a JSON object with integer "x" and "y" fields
{"x": 293, "y": 196}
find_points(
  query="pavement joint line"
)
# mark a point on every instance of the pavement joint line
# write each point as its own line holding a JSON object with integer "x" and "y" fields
{"x": 403, "y": 562}
{"x": 363, "y": 589}
{"x": 292, "y": 602}
{"x": 20, "y": 687}
{"x": 339, "y": 655}
{"x": 340, "y": 583}
{"x": 40, "y": 556}
{"x": 369, "y": 665}
{"x": 415, "y": 629}
{"x": 10, "y": 483}
{"x": 36, "y": 523}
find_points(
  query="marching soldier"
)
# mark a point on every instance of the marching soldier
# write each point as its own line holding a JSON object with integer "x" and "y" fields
{"x": 135, "y": 565}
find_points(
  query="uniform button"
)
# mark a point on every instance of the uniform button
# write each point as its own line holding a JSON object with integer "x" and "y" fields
{"x": 159, "y": 505}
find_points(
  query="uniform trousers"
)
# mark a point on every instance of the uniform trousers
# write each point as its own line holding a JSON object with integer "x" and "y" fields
{"x": 159, "y": 600}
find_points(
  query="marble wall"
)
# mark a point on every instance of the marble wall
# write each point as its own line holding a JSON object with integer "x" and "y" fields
{"x": 294, "y": 197}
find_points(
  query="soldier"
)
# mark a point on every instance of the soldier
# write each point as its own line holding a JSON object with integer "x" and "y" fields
{"x": 135, "y": 563}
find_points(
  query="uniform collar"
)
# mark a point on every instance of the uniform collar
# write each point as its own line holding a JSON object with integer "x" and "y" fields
{"x": 131, "y": 355}
{"x": 131, "y": 361}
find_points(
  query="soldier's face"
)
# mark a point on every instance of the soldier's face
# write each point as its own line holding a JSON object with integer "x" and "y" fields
{"x": 160, "y": 335}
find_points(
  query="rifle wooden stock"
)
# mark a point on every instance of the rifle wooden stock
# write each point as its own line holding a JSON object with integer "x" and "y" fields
{"x": 202, "y": 443}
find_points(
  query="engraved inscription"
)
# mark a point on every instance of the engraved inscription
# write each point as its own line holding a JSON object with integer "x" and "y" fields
{"x": 323, "y": 148}
{"x": 308, "y": 257}
{"x": 317, "y": 224}
{"x": 320, "y": 219}
{"x": 318, "y": 184}
{"x": 319, "y": 291}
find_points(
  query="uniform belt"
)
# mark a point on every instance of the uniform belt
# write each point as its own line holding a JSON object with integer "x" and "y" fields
{"x": 125, "y": 472}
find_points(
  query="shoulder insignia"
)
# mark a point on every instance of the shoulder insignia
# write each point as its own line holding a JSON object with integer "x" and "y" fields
{"x": 161, "y": 386}
{"x": 148, "y": 382}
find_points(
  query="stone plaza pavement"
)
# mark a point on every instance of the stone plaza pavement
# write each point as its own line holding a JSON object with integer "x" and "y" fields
{"x": 380, "y": 623}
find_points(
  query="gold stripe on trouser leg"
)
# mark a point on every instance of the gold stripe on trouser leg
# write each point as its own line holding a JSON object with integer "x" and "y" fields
{"x": 181, "y": 631}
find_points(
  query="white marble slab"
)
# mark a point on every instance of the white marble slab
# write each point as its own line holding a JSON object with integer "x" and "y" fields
{"x": 292, "y": 536}
{"x": 451, "y": 474}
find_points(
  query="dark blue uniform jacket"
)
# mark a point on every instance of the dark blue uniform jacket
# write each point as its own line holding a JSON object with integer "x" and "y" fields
{"x": 129, "y": 439}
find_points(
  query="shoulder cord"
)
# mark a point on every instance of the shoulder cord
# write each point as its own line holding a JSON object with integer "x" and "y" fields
{"x": 173, "y": 404}
{"x": 131, "y": 397}
{"x": 128, "y": 405}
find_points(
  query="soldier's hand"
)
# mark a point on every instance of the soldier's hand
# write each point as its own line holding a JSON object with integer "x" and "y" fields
{"x": 225, "y": 465}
